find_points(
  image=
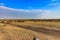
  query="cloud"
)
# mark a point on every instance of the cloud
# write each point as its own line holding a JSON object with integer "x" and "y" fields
{"x": 54, "y": 3}
{"x": 1, "y": 4}
{"x": 6, "y": 12}
{"x": 29, "y": 7}
{"x": 53, "y": 0}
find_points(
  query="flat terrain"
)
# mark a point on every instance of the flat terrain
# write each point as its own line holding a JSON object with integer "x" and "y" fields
{"x": 28, "y": 30}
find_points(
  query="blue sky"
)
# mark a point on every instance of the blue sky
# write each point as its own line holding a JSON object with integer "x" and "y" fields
{"x": 50, "y": 8}
{"x": 26, "y": 4}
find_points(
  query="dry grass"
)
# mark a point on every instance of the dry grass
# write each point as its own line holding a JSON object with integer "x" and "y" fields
{"x": 10, "y": 32}
{"x": 14, "y": 33}
{"x": 48, "y": 25}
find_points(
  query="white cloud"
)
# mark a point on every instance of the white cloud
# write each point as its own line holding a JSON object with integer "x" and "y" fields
{"x": 6, "y": 12}
{"x": 46, "y": 14}
{"x": 54, "y": 3}
{"x": 1, "y": 4}
{"x": 53, "y": 0}
{"x": 29, "y": 7}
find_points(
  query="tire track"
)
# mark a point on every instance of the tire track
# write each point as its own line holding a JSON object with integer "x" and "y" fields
{"x": 40, "y": 30}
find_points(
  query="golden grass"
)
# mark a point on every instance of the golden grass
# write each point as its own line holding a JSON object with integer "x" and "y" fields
{"x": 39, "y": 23}
{"x": 10, "y": 32}
{"x": 49, "y": 25}
{"x": 15, "y": 33}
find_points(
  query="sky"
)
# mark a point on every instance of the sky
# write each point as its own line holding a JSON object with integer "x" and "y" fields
{"x": 35, "y": 9}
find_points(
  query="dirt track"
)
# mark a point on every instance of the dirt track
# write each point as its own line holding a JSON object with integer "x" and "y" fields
{"x": 53, "y": 33}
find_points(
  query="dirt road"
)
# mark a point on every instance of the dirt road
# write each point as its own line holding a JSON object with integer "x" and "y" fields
{"x": 40, "y": 30}
{"x": 54, "y": 34}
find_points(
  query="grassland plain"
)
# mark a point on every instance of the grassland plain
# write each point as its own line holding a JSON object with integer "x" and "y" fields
{"x": 13, "y": 32}
{"x": 49, "y": 25}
